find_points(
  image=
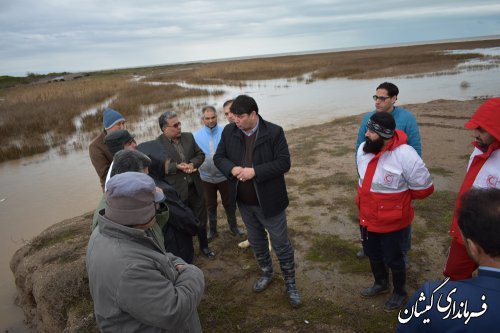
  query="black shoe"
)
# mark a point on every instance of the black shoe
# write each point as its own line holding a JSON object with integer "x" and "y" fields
{"x": 262, "y": 283}
{"x": 211, "y": 235}
{"x": 235, "y": 231}
{"x": 293, "y": 295}
{"x": 376, "y": 289}
{"x": 208, "y": 253}
{"x": 396, "y": 302}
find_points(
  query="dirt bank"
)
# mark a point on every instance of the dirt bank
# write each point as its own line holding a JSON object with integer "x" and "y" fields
{"x": 53, "y": 288}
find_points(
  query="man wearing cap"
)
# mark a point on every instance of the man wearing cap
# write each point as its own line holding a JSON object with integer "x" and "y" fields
{"x": 99, "y": 154}
{"x": 391, "y": 175}
{"x": 385, "y": 99}
{"x": 136, "y": 286}
{"x": 116, "y": 141}
{"x": 253, "y": 154}
{"x": 483, "y": 171}
{"x": 213, "y": 180}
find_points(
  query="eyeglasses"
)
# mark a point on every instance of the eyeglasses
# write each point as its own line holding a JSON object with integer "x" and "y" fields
{"x": 380, "y": 98}
{"x": 176, "y": 125}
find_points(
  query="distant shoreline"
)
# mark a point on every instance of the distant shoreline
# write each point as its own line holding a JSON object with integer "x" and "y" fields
{"x": 275, "y": 55}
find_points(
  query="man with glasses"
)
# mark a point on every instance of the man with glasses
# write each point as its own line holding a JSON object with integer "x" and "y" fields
{"x": 385, "y": 99}
{"x": 180, "y": 157}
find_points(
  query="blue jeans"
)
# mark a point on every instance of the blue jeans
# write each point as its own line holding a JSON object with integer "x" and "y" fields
{"x": 256, "y": 225}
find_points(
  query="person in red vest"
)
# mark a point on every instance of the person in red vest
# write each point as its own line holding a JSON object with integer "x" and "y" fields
{"x": 483, "y": 171}
{"x": 391, "y": 175}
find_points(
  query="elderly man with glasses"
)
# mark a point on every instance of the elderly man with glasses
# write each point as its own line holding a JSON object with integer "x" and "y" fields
{"x": 385, "y": 99}
{"x": 175, "y": 160}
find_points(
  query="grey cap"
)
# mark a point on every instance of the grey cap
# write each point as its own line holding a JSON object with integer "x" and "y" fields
{"x": 130, "y": 198}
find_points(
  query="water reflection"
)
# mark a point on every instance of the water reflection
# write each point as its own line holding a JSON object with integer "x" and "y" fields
{"x": 39, "y": 191}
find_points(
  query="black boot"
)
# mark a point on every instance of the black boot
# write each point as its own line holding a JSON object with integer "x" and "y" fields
{"x": 399, "y": 294}
{"x": 212, "y": 230}
{"x": 233, "y": 226}
{"x": 381, "y": 284}
{"x": 266, "y": 266}
{"x": 288, "y": 269}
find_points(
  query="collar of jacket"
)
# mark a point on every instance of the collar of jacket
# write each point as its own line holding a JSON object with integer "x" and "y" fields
{"x": 164, "y": 139}
{"x": 262, "y": 132}
{"x": 213, "y": 130}
{"x": 116, "y": 230}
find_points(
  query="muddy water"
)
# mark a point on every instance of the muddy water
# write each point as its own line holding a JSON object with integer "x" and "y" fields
{"x": 40, "y": 191}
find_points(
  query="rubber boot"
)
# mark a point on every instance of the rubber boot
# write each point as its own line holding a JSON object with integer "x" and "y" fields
{"x": 212, "y": 230}
{"x": 233, "y": 226}
{"x": 288, "y": 269}
{"x": 381, "y": 284}
{"x": 399, "y": 295}
{"x": 266, "y": 266}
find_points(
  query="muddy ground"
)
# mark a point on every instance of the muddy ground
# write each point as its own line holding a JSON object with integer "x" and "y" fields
{"x": 323, "y": 227}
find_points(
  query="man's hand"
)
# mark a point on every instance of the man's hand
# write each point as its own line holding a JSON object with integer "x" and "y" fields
{"x": 185, "y": 167}
{"x": 243, "y": 174}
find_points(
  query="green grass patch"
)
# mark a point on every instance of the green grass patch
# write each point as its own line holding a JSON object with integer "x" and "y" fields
{"x": 332, "y": 249}
{"x": 220, "y": 310}
{"x": 440, "y": 171}
{"x": 43, "y": 241}
{"x": 437, "y": 210}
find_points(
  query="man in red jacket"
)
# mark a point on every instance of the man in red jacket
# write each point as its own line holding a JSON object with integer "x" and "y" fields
{"x": 483, "y": 172}
{"x": 392, "y": 174}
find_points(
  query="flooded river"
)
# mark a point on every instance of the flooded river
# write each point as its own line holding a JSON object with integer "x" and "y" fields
{"x": 39, "y": 191}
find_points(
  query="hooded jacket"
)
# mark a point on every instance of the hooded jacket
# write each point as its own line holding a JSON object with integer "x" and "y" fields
{"x": 483, "y": 170}
{"x": 388, "y": 182}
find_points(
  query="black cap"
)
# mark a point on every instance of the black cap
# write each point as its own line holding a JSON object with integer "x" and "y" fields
{"x": 117, "y": 139}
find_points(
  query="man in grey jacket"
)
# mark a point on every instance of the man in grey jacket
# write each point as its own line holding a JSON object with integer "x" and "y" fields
{"x": 137, "y": 286}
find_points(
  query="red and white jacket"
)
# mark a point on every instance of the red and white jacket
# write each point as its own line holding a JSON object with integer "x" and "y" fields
{"x": 487, "y": 177}
{"x": 388, "y": 182}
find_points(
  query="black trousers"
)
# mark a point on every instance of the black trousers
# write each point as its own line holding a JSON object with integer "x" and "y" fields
{"x": 386, "y": 247}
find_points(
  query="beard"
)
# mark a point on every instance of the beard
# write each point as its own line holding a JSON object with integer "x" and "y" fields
{"x": 373, "y": 147}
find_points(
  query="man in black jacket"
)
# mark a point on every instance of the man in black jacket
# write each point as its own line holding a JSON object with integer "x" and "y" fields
{"x": 253, "y": 155}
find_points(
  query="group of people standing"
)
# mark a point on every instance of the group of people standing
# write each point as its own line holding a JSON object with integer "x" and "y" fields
{"x": 161, "y": 193}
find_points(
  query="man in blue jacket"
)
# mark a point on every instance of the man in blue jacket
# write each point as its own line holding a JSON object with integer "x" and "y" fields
{"x": 253, "y": 155}
{"x": 385, "y": 99}
{"x": 469, "y": 305}
{"x": 208, "y": 138}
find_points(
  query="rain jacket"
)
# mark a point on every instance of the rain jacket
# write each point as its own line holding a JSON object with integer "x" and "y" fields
{"x": 388, "y": 182}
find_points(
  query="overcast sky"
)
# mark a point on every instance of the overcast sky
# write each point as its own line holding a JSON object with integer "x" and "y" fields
{"x": 44, "y": 36}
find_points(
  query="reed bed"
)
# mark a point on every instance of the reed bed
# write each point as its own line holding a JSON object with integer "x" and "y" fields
{"x": 35, "y": 118}
{"x": 358, "y": 64}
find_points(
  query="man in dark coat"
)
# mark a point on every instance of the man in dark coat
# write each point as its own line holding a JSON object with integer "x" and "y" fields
{"x": 176, "y": 158}
{"x": 253, "y": 155}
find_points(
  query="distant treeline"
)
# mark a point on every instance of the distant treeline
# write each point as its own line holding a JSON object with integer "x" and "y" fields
{"x": 7, "y": 81}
